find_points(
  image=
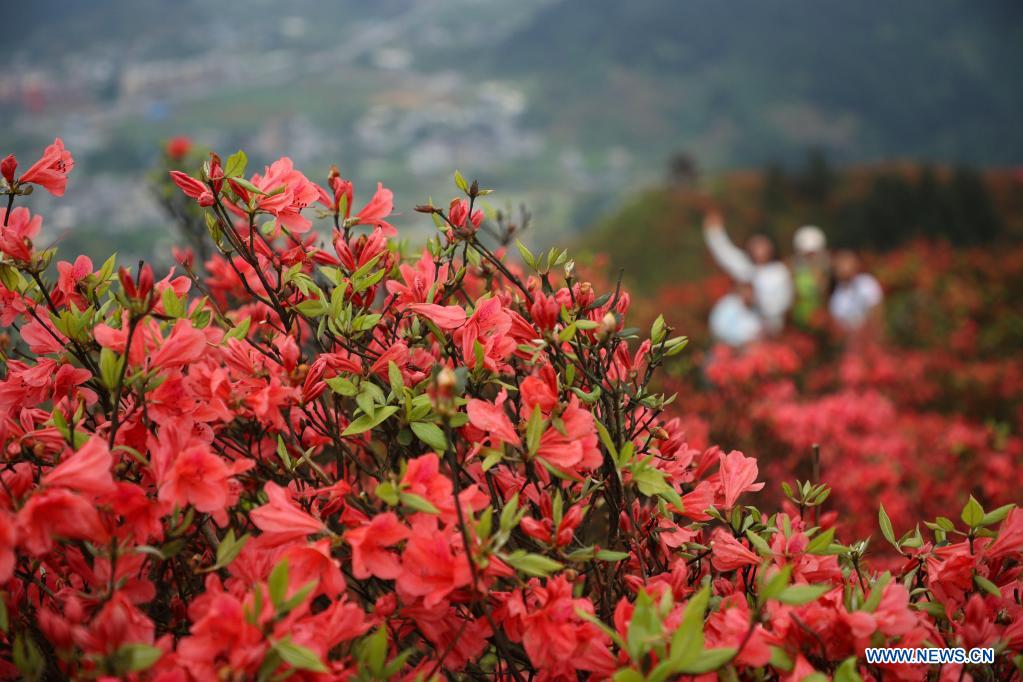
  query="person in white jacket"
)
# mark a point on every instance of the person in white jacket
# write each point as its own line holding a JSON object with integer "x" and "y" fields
{"x": 758, "y": 266}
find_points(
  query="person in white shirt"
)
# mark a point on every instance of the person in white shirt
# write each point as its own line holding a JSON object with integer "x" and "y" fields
{"x": 855, "y": 302}
{"x": 733, "y": 320}
{"x": 758, "y": 266}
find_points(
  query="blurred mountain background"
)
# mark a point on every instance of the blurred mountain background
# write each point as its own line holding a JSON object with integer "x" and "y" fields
{"x": 606, "y": 118}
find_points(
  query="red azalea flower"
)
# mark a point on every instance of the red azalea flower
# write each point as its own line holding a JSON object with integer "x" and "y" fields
{"x": 49, "y": 172}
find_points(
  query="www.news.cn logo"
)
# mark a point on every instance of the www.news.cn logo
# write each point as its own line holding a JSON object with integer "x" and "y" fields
{"x": 930, "y": 656}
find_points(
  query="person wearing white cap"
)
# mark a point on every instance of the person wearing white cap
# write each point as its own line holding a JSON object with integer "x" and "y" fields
{"x": 809, "y": 240}
{"x": 757, "y": 266}
{"x": 810, "y": 272}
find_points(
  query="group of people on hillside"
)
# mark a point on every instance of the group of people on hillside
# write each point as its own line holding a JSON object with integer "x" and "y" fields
{"x": 767, "y": 292}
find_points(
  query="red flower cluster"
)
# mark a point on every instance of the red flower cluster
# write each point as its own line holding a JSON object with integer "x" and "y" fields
{"x": 346, "y": 461}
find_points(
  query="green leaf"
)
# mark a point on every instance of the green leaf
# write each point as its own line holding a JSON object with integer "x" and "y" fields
{"x": 644, "y": 627}
{"x": 534, "y": 430}
{"x": 374, "y": 651}
{"x": 109, "y": 367}
{"x": 847, "y": 672}
{"x": 461, "y": 183}
{"x": 418, "y": 503}
{"x": 886, "y": 525}
{"x": 532, "y": 564}
{"x": 801, "y": 594}
{"x": 342, "y": 386}
{"x": 650, "y": 481}
{"x": 605, "y": 438}
{"x": 997, "y": 516}
{"x": 431, "y": 434}
{"x": 759, "y": 544}
{"x": 11, "y": 278}
{"x": 172, "y": 305}
{"x": 248, "y": 186}
{"x": 687, "y": 642}
{"x": 934, "y": 609}
{"x": 229, "y": 549}
{"x": 367, "y": 422}
{"x": 555, "y": 471}
{"x": 278, "y": 583}
{"x": 366, "y": 399}
{"x": 876, "y": 592}
{"x": 821, "y": 543}
{"x": 312, "y": 307}
{"x": 526, "y": 254}
{"x": 394, "y": 377}
{"x": 780, "y": 659}
{"x": 973, "y": 513}
{"x": 387, "y": 492}
{"x": 27, "y": 657}
{"x": 297, "y": 598}
{"x": 776, "y": 584}
{"x": 657, "y": 330}
{"x": 508, "y": 514}
{"x": 675, "y": 346}
{"x": 240, "y": 330}
{"x": 236, "y": 164}
{"x": 366, "y": 267}
{"x": 492, "y": 458}
{"x": 137, "y": 657}
{"x": 986, "y": 585}
{"x": 611, "y": 555}
{"x": 708, "y": 660}
{"x": 568, "y": 333}
{"x": 298, "y": 656}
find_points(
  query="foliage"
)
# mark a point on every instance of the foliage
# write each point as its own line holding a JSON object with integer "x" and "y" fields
{"x": 350, "y": 461}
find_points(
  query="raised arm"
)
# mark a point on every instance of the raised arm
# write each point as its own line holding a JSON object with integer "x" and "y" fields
{"x": 730, "y": 257}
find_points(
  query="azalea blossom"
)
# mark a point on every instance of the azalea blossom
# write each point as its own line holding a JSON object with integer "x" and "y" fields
{"x": 49, "y": 172}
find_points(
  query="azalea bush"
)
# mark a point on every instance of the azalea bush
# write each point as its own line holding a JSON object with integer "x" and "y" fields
{"x": 345, "y": 458}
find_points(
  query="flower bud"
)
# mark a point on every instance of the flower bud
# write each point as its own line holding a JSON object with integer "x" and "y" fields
{"x": 7, "y": 168}
{"x": 584, "y": 295}
{"x": 145, "y": 287}
{"x": 458, "y": 212}
{"x": 607, "y": 327}
{"x": 127, "y": 283}
{"x": 214, "y": 171}
{"x": 140, "y": 294}
{"x": 442, "y": 392}
{"x": 447, "y": 380}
